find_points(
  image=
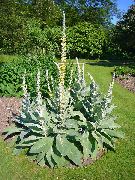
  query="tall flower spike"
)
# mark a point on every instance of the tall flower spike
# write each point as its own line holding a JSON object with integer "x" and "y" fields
{"x": 47, "y": 78}
{"x": 71, "y": 78}
{"x": 63, "y": 43}
{"x": 111, "y": 87}
{"x": 83, "y": 72}
{"x": 39, "y": 97}
{"x": 62, "y": 69}
{"x": 24, "y": 86}
{"x": 113, "y": 78}
{"x": 26, "y": 97}
{"x": 91, "y": 78}
{"x": 78, "y": 69}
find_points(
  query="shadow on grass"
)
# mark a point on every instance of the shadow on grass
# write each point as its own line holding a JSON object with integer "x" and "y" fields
{"x": 110, "y": 63}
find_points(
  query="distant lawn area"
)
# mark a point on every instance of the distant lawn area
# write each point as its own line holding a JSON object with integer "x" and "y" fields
{"x": 118, "y": 165}
{"x": 7, "y": 58}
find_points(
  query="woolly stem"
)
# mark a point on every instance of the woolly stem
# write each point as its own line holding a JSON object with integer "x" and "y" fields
{"x": 24, "y": 86}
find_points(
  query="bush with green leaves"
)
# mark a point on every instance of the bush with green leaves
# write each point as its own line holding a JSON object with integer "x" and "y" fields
{"x": 56, "y": 138}
{"x": 85, "y": 40}
{"x": 32, "y": 37}
{"x": 12, "y": 72}
{"x": 38, "y": 39}
{"x": 124, "y": 70}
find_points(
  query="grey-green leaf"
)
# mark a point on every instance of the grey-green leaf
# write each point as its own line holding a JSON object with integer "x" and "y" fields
{"x": 11, "y": 130}
{"x": 86, "y": 144}
{"x": 67, "y": 148}
{"x": 42, "y": 145}
{"x": 60, "y": 160}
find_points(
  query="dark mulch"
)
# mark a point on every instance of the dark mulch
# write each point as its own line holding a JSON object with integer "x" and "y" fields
{"x": 9, "y": 107}
{"x": 127, "y": 82}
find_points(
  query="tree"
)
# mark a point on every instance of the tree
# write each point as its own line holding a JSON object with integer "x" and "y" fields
{"x": 125, "y": 32}
{"x": 12, "y": 17}
{"x": 92, "y": 11}
{"x": 46, "y": 10}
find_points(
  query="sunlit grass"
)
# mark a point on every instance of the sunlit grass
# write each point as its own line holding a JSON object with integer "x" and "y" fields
{"x": 7, "y": 58}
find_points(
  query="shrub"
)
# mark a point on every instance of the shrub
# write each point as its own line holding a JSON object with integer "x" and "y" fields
{"x": 85, "y": 40}
{"x": 38, "y": 39}
{"x": 32, "y": 38}
{"x": 12, "y": 72}
{"x": 124, "y": 70}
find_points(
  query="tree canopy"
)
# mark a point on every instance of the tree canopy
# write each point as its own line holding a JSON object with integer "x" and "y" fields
{"x": 125, "y": 32}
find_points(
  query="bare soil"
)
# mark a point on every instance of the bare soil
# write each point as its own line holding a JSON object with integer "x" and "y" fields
{"x": 127, "y": 82}
{"x": 9, "y": 108}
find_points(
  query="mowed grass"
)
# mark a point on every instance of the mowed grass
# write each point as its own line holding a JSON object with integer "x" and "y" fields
{"x": 7, "y": 58}
{"x": 118, "y": 165}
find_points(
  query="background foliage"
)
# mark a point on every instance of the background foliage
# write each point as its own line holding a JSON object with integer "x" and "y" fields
{"x": 125, "y": 33}
{"x": 12, "y": 72}
{"x": 85, "y": 40}
{"x": 26, "y": 26}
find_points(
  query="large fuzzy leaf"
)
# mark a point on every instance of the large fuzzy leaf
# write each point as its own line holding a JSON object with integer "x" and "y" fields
{"x": 71, "y": 124}
{"x": 41, "y": 162}
{"x": 86, "y": 144}
{"x": 107, "y": 141}
{"x": 108, "y": 123}
{"x": 29, "y": 141}
{"x": 41, "y": 158}
{"x": 98, "y": 138}
{"x": 12, "y": 130}
{"x": 60, "y": 160}
{"x": 35, "y": 126}
{"x": 113, "y": 133}
{"x": 49, "y": 157}
{"x": 68, "y": 149}
{"x": 42, "y": 145}
{"x": 95, "y": 149}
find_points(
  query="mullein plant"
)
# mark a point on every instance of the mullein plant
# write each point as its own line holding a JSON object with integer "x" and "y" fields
{"x": 71, "y": 126}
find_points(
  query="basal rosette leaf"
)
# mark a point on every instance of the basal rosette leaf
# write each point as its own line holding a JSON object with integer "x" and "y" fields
{"x": 42, "y": 145}
{"x": 86, "y": 144}
{"x": 12, "y": 130}
{"x": 62, "y": 145}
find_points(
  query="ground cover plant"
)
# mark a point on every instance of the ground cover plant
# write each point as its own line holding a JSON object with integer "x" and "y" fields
{"x": 76, "y": 116}
{"x": 12, "y": 71}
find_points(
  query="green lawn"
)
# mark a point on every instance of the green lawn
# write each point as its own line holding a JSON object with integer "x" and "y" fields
{"x": 113, "y": 166}
{"x": 7, "y": 58}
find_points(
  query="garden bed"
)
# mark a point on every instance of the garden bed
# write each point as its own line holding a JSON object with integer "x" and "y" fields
{"x": 127, "y": 82}
{"x": 9, "y": 107}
